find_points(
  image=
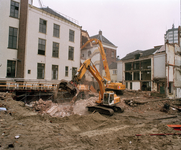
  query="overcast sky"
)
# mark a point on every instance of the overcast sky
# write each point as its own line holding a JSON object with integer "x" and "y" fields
{"x": 129, "y": 24}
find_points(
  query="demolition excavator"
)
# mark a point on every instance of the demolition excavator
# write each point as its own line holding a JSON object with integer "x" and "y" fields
{"x": 108, "y": 100}
{"x": 110, "y": 86}
{"x": 106, "y": 103}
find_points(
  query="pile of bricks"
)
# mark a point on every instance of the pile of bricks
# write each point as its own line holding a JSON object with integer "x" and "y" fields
{"x": 41, "y": 106}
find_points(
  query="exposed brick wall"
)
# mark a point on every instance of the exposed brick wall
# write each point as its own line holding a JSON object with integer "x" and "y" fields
{"x": 22, "y": 38}
{"x": 109, "y": 57}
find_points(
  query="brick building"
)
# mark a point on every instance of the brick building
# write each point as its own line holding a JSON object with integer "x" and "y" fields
{"x": 92, "y": 51}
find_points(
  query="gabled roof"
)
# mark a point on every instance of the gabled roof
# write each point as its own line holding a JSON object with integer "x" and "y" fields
{"x": 102, "y": 39}
{"x": 53, "y": 12}
{"x": 141, "y": 52}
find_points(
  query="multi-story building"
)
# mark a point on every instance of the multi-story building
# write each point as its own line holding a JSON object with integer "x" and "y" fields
{"x": 37, "y": 44}
{"x": 157, "y": 69}
{"x": 171, "y": 35}
{"x": 135, "y": 70}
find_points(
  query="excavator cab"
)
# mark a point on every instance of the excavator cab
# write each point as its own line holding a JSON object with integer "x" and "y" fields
{"x": 108, "y": 99}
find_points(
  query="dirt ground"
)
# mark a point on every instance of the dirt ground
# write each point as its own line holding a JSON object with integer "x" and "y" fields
{"x": 23, "y": 128}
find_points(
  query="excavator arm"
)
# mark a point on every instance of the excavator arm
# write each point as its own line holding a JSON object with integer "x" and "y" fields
{"x": 103, "y": 55}
{"x": 88, "y": 65}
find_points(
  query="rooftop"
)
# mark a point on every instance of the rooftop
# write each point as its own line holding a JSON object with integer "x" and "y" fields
{"x": 142, "y": 53}
{"x": 103, "y": 39}
{"x": 60, "y": 15}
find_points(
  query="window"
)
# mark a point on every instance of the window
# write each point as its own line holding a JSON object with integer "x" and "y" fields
{"x": 89, "y": 53}
{"x": 145, "y": 75}
{"x": 112, "y": 54}
{"x": 128, "y": 75}
{"x": 56, "y": 30}
{"x": 14, "y": 10}
{"x": 71, "y": 35}
{"x": 136, "y": 75}
{"x": 114, "y": 72}
{"x": 13, "y": 32}
{"x": 41, "y": 46}
{"x": 71, "y": 53}
{"x": 55, "y": 51}
{"x": 126, "y": 84}
{"x": 146, "y": 64}
{"x": 29, "y": 71}
{"x": 40, "y": 71}
{"x": 136, "y": 65}
{"x": 170, "y": 87}
{"x": 42, "y": 26}
{"x": 55, "y": 72}
{"x": 66, "y": 71}
{"x": 128, "y": 66}
{"x": 74, "y": 71}
{"x": 137, "y": 56}
{"x": 11, "y": 65}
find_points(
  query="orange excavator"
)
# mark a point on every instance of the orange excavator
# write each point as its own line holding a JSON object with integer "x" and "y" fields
{"x": 106, "y": 104}
{"x": 110, "y": 86}
{"x": 108, "y": 100}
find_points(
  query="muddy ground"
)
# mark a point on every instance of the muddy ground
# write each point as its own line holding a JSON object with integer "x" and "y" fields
{"x": 23, "y": 128}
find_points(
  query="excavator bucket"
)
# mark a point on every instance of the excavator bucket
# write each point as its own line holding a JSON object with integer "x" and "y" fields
{"x": 70, "y": 87}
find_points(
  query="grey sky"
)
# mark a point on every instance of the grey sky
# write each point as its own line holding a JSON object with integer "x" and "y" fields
{"x": 128, "y": 24}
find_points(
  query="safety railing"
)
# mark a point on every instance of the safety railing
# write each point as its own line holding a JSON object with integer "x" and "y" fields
{"x": 26, "y": 86}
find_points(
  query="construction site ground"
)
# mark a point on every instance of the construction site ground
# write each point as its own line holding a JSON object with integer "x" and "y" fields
{"x": 25, "y": 127}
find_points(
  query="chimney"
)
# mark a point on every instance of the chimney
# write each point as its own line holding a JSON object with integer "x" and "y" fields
{"x": 100, "y": 32}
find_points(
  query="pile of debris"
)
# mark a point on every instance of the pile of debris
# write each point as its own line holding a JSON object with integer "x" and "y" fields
{"x": 53, "y": 109}
{"x": 41, "y": 106}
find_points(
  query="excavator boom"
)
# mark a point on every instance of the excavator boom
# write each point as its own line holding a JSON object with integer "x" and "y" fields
{"x": 116, "y": 87}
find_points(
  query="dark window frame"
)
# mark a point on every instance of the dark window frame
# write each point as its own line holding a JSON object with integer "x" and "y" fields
{"x": 11, "y": 69}
{"x": 66, "y": 71}
{"x": 56, "y": 30}
{"x": 14, "y": 9}
{"x": 71, "y": 35}
{"x": 54, "y": 72}
{"x": 41, "y": 46}
{"x": 13, "y": 38}
{"x": 55, "y": 50}
{"x": 42, "y": 26}
{"x": 40, "y": 70}
{"x": 71, "y": 53}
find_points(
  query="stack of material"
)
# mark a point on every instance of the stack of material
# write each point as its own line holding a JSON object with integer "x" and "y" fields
{"x": 42, "y": 106}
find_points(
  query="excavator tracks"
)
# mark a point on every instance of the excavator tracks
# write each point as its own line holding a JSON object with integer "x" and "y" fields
{"x": 106, "y": 110}
{"x": 101, "y": 110}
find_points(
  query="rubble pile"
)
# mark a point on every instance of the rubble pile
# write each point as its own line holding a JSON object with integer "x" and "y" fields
{"x": 41, "y": 106}
{"x": 53, "y": 109}
{"x": 4, "y": 95}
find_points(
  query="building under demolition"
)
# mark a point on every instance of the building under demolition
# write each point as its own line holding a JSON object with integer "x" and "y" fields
{"x": 157, "y": 69}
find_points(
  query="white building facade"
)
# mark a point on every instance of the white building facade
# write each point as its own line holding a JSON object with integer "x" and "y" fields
{"x": 47, "y": 45}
